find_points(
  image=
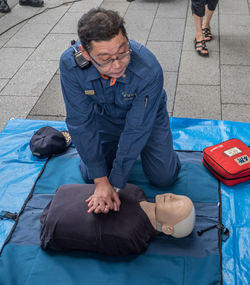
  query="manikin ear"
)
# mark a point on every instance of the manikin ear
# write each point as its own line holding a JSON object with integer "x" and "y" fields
{"x": 84, "y": 53}
{"x": 168, "y": 230}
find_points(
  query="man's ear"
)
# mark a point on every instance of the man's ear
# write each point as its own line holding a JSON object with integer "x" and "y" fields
{"x": 168, "y": 230}
{"x": 84, "y": 53}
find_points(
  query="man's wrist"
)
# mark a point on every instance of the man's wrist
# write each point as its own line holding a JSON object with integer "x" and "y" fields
{"x": 101, "y": 180}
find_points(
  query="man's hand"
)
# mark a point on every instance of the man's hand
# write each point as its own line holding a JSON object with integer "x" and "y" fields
{"x": 104, "y": 198}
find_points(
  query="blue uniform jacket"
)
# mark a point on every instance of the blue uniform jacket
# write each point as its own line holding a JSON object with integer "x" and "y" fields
{"x": 129, "y": 108}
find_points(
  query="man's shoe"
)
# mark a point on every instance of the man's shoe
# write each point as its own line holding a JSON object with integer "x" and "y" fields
{"x": 4, "y": 7}
{"x": 32, "y": 3}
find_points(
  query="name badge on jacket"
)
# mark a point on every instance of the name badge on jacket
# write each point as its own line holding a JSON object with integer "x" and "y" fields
{"x": 89, "y": 92}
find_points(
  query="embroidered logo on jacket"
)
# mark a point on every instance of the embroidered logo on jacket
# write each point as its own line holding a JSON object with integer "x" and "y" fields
{"x": 128, "y": 96}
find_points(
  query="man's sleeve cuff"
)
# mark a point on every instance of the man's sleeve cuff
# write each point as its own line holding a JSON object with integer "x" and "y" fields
{"x": 117, "y": 180}
{"x": 97, "y": 170}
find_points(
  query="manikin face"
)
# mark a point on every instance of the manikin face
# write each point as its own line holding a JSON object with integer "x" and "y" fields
{"x": 103, "y": 51}
{"x": 172, "y": 209}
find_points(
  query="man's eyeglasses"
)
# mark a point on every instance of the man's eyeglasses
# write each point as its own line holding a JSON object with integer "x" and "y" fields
{"x": 110, "y": 61}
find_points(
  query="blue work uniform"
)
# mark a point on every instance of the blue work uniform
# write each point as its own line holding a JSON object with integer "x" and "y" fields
{"x": 112, "y": 124}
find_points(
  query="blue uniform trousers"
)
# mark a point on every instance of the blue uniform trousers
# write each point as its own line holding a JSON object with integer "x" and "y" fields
{"x": 160, "y": 162}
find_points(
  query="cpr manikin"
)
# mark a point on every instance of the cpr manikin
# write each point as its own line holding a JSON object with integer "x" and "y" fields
{"x": 171, "y": 214}
{"x": 67, "y": 225}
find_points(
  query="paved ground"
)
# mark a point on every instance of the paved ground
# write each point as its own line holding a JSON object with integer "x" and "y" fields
{"x": 217, "y": 87}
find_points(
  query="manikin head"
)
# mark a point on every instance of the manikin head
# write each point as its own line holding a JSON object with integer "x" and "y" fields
{"x": 174, "y": 214}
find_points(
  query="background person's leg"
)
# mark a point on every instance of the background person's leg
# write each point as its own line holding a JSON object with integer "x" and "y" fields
{"x": 212, "y": 4}
{"x": 198, "y": 7}
{"x": 198, "y": 11}
{"x": 160, "y": 162}
{"x": 209, "y": 11}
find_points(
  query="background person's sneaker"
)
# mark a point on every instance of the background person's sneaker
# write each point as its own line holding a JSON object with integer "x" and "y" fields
{"x": 4, "y": 7}
{"x": 32, "y": 3}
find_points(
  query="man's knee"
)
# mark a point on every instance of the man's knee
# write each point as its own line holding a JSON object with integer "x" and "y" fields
{"x": 164, "y": 178}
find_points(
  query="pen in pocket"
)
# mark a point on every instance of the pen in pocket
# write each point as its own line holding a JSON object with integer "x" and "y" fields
{"x": 146, "y": 101}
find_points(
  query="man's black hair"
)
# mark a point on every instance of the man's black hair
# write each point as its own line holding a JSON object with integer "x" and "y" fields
{"x": 99, "y": 25}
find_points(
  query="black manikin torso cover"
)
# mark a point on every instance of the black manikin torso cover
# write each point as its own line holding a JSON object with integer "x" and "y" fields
{"x": 66, "y": 224}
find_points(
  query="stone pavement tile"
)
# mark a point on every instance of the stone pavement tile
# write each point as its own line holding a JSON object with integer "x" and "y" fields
{"x": 189, "y": 36}
{"x": 196, "y": 101}
{"x": 235, "y": 84}
{"x": 172, "y": 9}
{"x": 170, "y": 79}
{"x": 167, "y": 29}
{"x": 168, "y": 54}
{"x": 68, "y": 23}
{"x": 235, "y": 39}
{"x": 47, "y": 118}
{"x": 30, "y": 35}
{"x": 120, "y": 7}
{"x": 34, "y": 31}
{"x": 18, "y": 13}
{"x": 236, "y": 112}
{"x": 53, "y": 46}
{"x": 143, "y": 5}
{"x": 233, "y": 7}
{"x": 138, "y": 27}
{"x": 51, "y": 16}
{"x": 195, "y": 69}
{"x": 12, "y": 59}
{"x": 51, "y": 101}
{"x": 85, "y": 5}
{"x": 4, "y": 38}
{"x": 12, "y": 3}
{"x": 54, "y": 3}
{"x": 14, "y": 107}
{"x": 31, "y": 79}
{"x": 3, "y": 82}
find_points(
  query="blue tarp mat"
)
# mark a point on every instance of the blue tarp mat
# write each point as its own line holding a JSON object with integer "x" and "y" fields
{"x": 19, "y": 170}
{"x": 167, "y": 260}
